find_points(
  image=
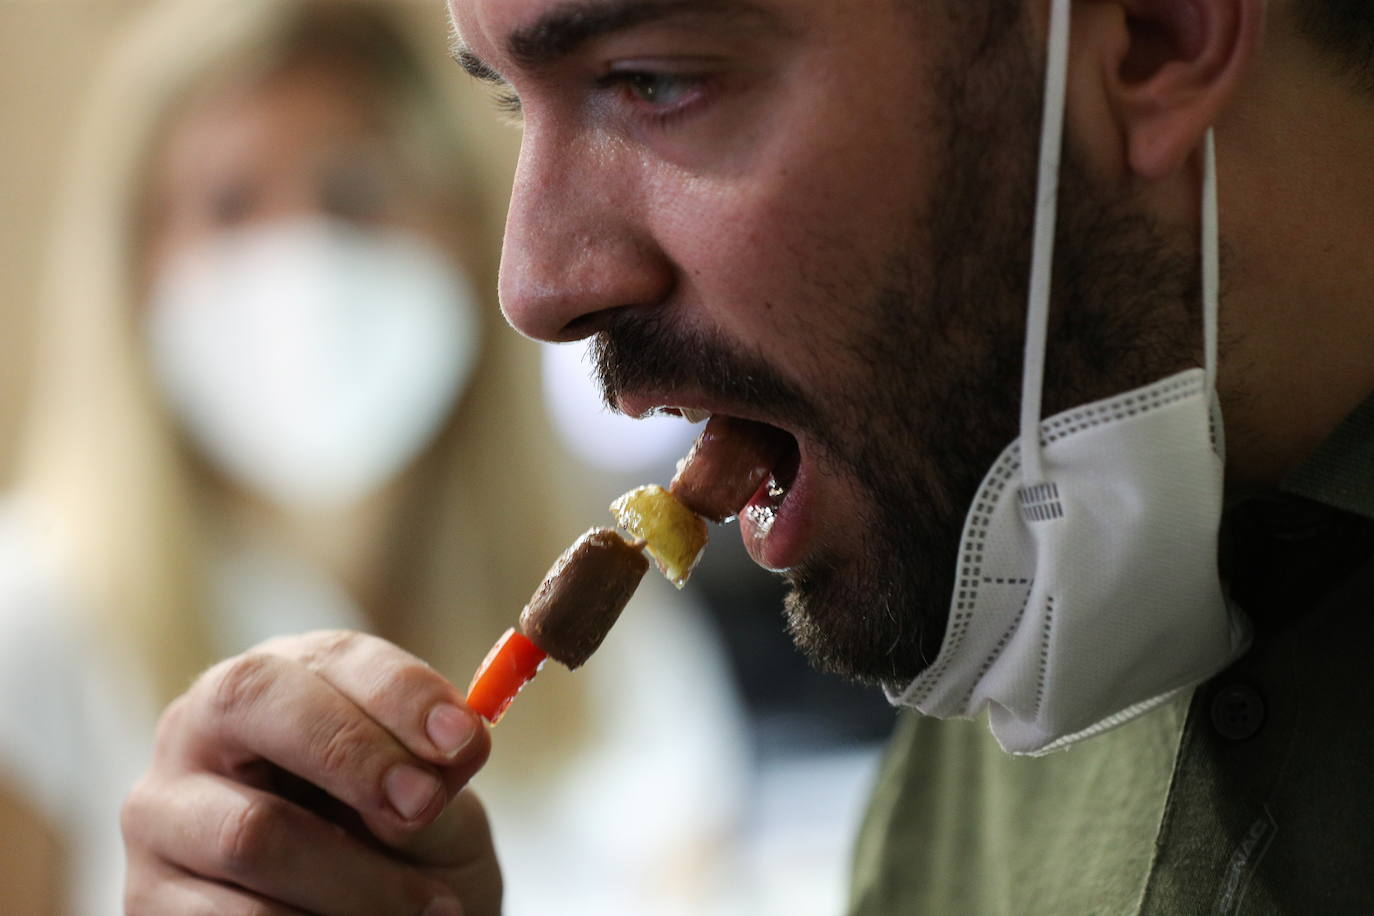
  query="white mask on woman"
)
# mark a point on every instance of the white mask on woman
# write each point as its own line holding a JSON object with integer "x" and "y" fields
{"x": 312, "y": 360}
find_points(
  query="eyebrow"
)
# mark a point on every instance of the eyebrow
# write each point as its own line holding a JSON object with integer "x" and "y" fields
{"x": 568, "y": 27}
{"x": 473, "y": 65}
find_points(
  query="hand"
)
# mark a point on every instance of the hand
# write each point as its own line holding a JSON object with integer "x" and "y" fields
{"x": 323, "y": 774}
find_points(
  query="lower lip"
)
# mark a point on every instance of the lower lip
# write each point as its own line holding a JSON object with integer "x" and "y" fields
{"x": 782, "y": 544}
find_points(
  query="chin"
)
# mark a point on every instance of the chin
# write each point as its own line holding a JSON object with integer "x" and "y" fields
{"x": 864, "y": 625}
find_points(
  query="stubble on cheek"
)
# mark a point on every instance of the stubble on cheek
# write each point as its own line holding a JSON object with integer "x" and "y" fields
{"x": 924, "y": 420}
{"x": 936, "y": 402}
{"x": 1125, "y": 314}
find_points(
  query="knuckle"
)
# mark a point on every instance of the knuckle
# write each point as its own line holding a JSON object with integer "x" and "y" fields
{"x": 247, "y": 837}
{"x": 138, "y": 897}
{"x": 171, "y": 726}
{"x": 239, "y": 682}
{"x": 239, "y": 906}
{"x": 342, "y": 745}
{"x": 327, "y": 645}
{"x": 206, "y": 907}
{"x": 133, "y": 810}
{"x": 174, "y": 713}
{"x": 405, "y": 682}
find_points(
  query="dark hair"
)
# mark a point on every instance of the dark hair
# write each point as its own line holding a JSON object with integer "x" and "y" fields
{"x": 1345, "y": 30}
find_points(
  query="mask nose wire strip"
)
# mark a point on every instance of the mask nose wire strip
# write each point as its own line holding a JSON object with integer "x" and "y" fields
{"x": 1042, "y": 251}
{"x": 1211, "y": 258}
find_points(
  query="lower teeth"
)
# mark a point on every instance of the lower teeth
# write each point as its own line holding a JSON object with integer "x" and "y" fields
{"x": 762, "y": 517}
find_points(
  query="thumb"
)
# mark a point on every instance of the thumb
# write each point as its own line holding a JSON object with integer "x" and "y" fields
{"x": 457, "y": 848}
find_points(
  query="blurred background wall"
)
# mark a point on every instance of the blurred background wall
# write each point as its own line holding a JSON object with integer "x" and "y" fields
{"x": 49, "y": 48}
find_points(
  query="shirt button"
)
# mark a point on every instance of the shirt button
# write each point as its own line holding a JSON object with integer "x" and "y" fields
{"x": 1237, "y": 712}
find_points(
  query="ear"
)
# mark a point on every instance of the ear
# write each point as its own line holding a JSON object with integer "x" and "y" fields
{"x": 1169, "y": 68}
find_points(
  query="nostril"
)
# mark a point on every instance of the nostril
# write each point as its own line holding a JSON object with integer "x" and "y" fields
{"x": 584, "y": 325}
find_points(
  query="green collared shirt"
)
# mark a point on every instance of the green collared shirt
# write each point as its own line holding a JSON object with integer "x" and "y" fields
{"x": 1253, "y": 795}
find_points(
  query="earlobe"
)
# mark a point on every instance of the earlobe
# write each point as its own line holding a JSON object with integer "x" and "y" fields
{"x": 1178, "y": 66}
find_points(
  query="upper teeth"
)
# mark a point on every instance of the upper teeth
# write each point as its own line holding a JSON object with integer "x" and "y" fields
{"x": 693, "y": 415}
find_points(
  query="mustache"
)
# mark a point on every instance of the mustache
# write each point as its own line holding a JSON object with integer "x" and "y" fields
{"x": 644, "y": 351}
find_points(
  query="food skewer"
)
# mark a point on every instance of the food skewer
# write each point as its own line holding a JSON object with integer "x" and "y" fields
{"x": 584, "y": 592}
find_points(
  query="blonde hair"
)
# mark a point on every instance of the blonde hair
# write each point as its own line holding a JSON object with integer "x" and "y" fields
{"x": 105, "y": 465}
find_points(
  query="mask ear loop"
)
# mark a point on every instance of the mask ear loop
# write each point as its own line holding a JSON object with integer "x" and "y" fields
{"x": 1042, "y": 251}
{"x": 1211, "y": 259}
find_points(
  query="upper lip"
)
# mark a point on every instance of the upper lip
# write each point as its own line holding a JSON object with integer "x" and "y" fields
{"x": 639, "y": 403}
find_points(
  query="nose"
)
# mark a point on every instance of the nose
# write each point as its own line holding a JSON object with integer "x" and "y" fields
{"x": 576, "y": 245}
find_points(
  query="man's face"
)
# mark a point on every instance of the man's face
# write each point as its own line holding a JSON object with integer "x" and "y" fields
{"x": 810, "y": 214}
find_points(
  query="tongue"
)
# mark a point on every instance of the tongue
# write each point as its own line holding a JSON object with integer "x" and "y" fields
{"x": 726, "y": 466}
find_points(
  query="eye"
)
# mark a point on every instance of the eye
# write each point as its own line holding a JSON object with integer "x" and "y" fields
{"x": 659, "y": 89}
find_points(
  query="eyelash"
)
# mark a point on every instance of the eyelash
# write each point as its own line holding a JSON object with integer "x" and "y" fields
{"x": 507, "y": 103}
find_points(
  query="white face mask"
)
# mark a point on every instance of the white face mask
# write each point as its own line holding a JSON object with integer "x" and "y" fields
{"x": 312, "y": 360}
{"x": 1087, "y": 589}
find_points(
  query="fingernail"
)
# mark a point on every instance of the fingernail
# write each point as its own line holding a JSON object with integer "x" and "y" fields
{"x": 450, "y": 728}
{"x": 443, "y": 906}
{"x": 410, "y": 790}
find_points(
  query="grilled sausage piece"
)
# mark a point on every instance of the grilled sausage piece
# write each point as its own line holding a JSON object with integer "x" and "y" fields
{"x": 726, "y": 465}
{"x": 583, "y": 594}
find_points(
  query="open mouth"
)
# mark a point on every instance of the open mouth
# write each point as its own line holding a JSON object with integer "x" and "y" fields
{"x": 741, "y": 468}
{"x": 765, "y": 503}
{"x": 731, "y": 464}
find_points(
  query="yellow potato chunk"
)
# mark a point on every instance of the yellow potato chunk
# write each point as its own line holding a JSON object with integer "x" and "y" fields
{"x": 674, "y": 535}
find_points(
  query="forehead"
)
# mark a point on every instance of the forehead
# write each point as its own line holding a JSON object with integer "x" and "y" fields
{"x": 492, "y": 29}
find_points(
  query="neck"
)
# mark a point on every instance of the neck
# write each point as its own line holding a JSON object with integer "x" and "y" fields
{"x": 1297, "y": 215}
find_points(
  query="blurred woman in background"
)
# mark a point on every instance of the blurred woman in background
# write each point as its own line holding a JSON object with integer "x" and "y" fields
{"x": 274, "y": 396}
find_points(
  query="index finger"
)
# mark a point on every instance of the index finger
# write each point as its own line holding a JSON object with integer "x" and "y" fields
{"x": 262, "y": 706}
{"x": 401, "y": 693}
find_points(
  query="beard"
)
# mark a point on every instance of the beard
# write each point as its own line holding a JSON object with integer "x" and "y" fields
{"x": 931, "y": 357}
